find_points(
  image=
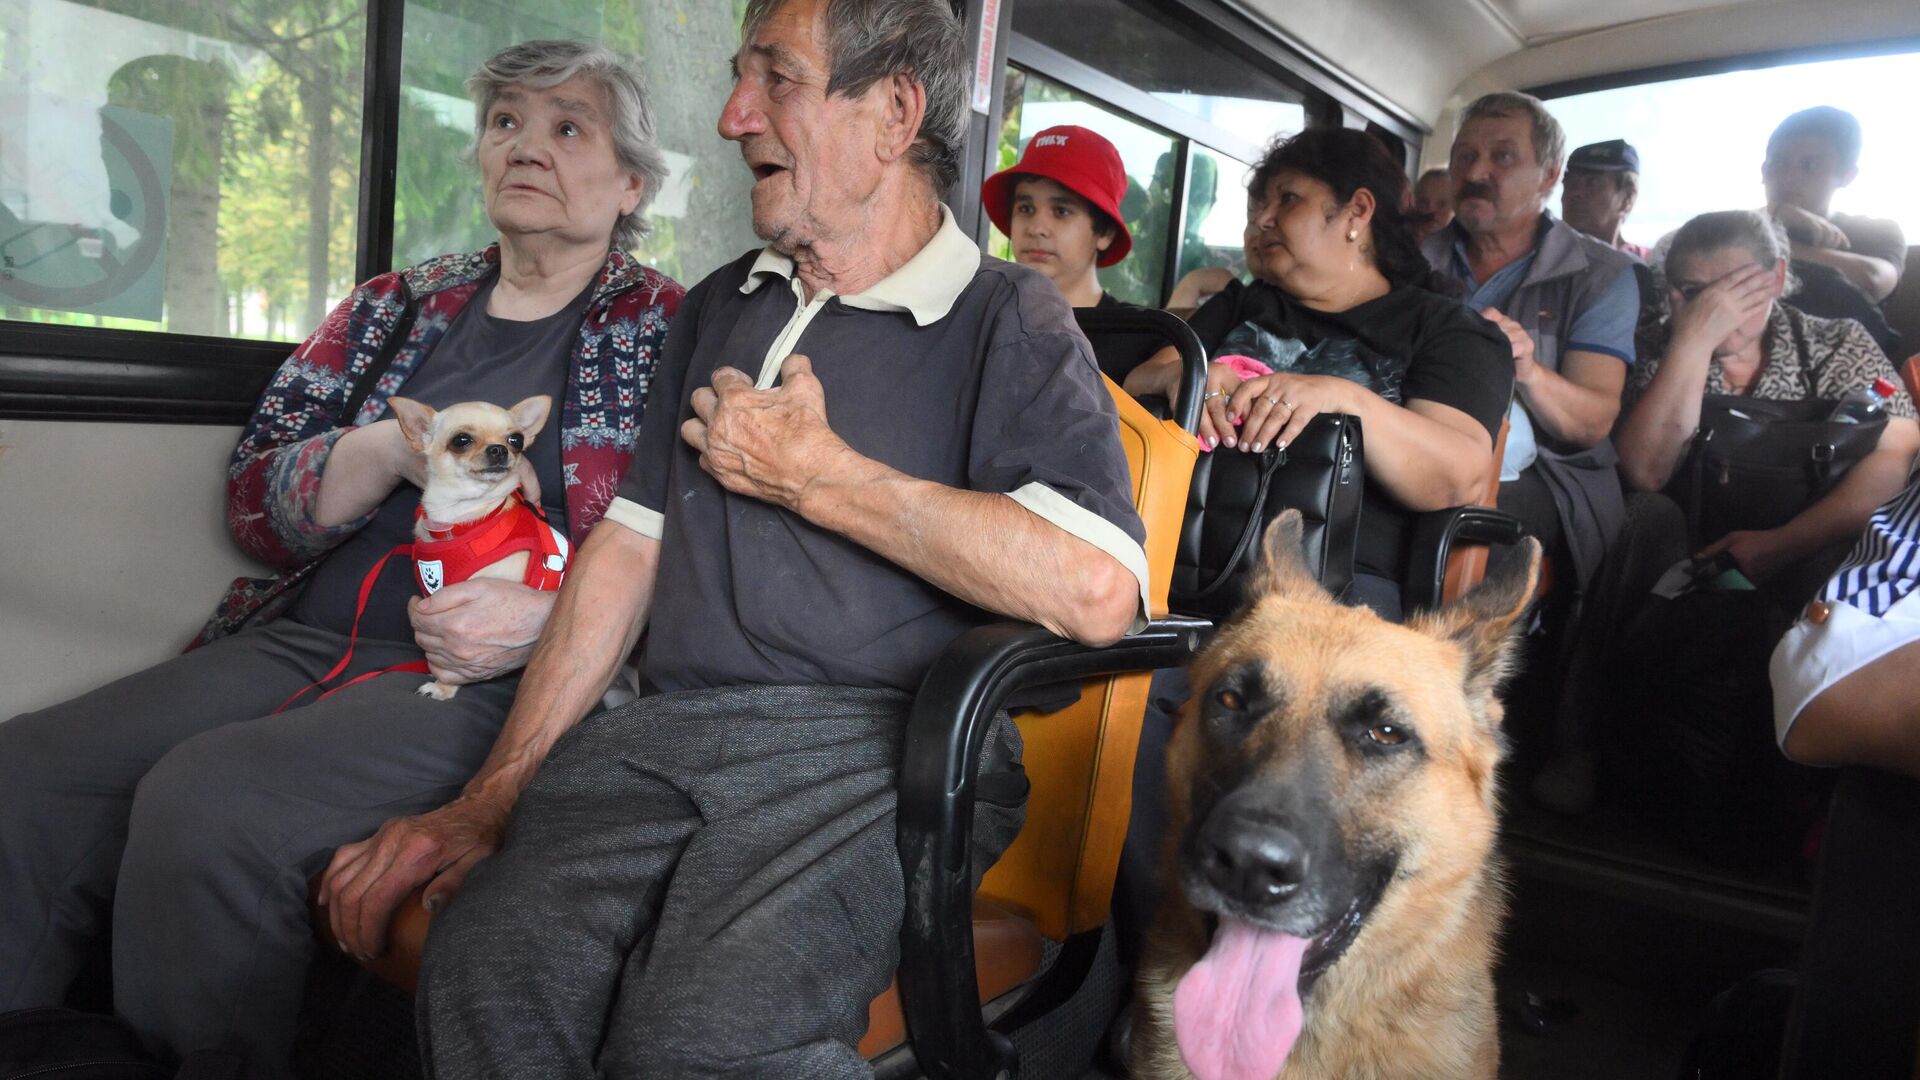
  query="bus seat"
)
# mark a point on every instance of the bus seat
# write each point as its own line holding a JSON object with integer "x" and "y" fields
{"x": 1056, "y": 880}
{"x": 1450, "y": 547}
{"x": 1467, "y": 564}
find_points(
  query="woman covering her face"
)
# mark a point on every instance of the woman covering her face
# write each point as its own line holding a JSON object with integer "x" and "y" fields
{"x": 1340, "y": 316}
{"x": 1733, "y": 333}
{"x": 1060, "y": 205}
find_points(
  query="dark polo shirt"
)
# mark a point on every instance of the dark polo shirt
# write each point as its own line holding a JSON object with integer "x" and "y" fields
{"x": 959, "y": 369}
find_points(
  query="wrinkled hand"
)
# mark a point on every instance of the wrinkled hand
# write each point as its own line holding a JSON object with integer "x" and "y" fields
{"x": 366, "y": 881}
{"x": 771, "y": 444}
{"x": 478, "y": 629}
{"x": 1807, "y": 227}
{"x": 1718, "y": 310}
{"x": 1275, "y": 408}
{"x": 1217, "y": 422}
{"x": 1524, "y": 365}
{"x": 1760, "y": 554}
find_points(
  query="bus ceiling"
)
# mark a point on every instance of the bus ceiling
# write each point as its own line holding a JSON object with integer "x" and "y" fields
{"x": 1431, "y": 55}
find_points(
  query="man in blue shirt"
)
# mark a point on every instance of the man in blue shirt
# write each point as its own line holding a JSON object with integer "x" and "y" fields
{"x": 1568, "y": 303}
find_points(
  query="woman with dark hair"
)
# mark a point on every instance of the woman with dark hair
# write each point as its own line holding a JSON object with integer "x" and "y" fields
{"x": 1346, "y": 317}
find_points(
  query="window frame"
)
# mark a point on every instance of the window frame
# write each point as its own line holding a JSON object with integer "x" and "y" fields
{"x": 1723, "y": 65}
{"x": 81, "y": 373}
{"x": 72, "y": 373}
{"x": 1331, "y": 98}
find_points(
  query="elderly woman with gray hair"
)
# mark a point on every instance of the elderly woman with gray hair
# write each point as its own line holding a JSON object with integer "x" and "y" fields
{"x": 186, "y": 806}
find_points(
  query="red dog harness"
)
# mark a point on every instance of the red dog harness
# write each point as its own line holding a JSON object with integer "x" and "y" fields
{"x": 454, "y": 554}
{"x": 457, "y": 552}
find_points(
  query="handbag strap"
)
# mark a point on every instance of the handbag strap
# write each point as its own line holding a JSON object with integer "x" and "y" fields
{"x": 1270, "y": 463}
{"x": 1801, "y": 353}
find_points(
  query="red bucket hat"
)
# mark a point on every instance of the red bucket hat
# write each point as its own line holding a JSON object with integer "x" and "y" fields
{"x": 1080, "y": 160}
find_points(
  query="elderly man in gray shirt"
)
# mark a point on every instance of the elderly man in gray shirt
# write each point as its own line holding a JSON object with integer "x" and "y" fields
{"x": 862, "y": 440}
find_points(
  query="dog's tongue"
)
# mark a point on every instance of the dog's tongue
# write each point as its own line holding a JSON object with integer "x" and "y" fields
{"x": 1237, "y": 1013}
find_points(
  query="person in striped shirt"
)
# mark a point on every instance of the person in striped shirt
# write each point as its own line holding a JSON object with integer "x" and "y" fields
{"x": 1844, "y": 675}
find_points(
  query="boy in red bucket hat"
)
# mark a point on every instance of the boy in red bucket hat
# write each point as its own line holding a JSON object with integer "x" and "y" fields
{"x": 1060, "y": 205}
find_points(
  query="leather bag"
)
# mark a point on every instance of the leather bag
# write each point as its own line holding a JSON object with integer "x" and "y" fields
{"x": 1234, "y": 495}
{"x": 1756, "y": 464}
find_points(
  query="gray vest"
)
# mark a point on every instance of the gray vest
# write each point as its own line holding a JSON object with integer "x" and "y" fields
{"x": 1569, "y": 269}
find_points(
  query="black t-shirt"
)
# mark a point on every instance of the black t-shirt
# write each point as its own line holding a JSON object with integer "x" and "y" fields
{"x": 481, "y": 358}
{"x": 1409, "y": 345}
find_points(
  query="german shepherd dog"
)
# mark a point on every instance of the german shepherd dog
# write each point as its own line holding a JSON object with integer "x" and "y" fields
{"x": 1330, "y": 894}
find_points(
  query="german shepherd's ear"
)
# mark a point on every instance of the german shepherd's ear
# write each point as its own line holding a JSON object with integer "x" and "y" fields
{"x": 1487, "y": 620}
{"x": 1282, "y": 569}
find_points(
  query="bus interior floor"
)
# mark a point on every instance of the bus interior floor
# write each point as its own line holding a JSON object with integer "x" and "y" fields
{"x": 1589, "y": 988}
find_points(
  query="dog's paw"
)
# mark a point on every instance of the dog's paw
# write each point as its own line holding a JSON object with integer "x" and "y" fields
{"x": 438, "y": 691}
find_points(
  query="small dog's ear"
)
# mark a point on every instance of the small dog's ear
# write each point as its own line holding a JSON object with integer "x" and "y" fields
{"x": 1282, "y": 569}
{"x": 1489, "y": 618}
{"x": 531, "y": 415}
{"x": 416, "y": 421}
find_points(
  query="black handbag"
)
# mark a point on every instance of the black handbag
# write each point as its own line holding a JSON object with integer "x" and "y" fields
{"x": 1756, "y": 464}
{"x": 1234, "y": 495}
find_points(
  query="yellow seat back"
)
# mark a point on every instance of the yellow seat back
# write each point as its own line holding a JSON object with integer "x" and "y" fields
{"x": 1080, "y": 759}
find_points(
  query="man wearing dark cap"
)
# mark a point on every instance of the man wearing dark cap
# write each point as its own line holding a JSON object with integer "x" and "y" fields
{"x": 1597, "y": 195}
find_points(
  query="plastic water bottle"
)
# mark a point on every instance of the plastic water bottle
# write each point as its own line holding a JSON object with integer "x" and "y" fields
{"x": 1864, "y": 403}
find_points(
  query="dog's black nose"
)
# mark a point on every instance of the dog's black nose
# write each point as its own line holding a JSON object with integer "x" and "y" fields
{"x": 496, "y": 455}
{"x": 1251, "y": 860}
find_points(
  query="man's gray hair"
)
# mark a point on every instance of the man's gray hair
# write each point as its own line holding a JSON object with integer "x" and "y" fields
{"x": 541, "y": 65}
{"x": 1549, "y": 139}
{"x": 870, "y": 40}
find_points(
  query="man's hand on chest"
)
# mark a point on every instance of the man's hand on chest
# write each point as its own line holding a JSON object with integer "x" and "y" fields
{"x": 771, "y": 444}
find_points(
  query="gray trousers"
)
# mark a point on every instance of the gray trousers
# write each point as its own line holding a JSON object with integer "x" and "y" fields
{"x": 173, "y": 809}
{"x": 699, "y": 884}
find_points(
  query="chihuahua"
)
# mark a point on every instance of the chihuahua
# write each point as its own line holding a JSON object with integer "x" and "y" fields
{"x": 474, "y": 522}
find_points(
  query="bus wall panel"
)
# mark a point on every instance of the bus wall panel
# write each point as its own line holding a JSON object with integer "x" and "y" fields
{"x": 116, "y": 550}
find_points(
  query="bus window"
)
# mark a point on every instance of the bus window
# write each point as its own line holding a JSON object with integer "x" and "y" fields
{"x": 1034, "y": 104}
{"x": 192, "y": 170}
{"x": 1216, "y": 212}
{"x": 1701, "y": 140}
{"x": 685, "y": 49}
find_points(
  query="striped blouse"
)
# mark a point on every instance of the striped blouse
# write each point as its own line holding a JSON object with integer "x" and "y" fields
{"x": 1885, "y": 565}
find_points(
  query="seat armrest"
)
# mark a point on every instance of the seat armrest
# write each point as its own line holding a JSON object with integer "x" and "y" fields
{"x": 946, "y": 733}
{"x": 1438, "y": 533}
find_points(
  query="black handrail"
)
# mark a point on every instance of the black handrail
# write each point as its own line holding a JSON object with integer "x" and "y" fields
{"x": 946, "y": 733}
{"x": 1129, "y": 319}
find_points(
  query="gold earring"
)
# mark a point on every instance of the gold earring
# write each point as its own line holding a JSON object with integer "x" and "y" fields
{"x": 1352, "y": 235}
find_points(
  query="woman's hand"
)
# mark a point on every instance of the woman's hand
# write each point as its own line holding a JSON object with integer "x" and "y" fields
{"x": 1760, "y": 554}
{"x": 479, "y": 629}
{"x": 1274, "y": 409}
{"x": 1718, "y": 310}
{"x": 1218, "y": 423}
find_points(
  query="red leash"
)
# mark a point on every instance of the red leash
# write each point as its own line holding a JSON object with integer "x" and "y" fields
{"x": 418, "y": 667}
{"x": 455, "y": 554}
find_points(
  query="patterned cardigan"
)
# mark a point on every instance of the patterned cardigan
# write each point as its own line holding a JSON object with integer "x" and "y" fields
{"x": 273, "y": 481}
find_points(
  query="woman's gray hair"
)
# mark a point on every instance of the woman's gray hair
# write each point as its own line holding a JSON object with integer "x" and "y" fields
{"x": 870, "y": 40}
{"x": 1549, "y": 138}
{"x": 1754, "y": 231}
{"x": 540, "y": 65}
